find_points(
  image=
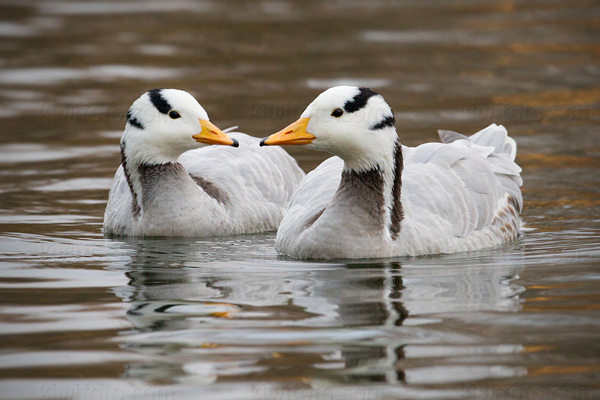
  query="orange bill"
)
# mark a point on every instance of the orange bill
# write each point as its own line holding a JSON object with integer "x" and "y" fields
{"x": 292, "y": 135}
{"x": 212, "y": 135}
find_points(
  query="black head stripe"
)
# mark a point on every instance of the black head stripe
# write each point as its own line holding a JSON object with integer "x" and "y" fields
{"x": 360, "y": 100}
{"x": 159, "y": 101}
{"x": 133, "y": 121}
{"x": 388, "y": 121}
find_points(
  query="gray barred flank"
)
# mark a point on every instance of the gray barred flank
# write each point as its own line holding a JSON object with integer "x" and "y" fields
{"x": 159, "y": 101}
{"x": 211, "y": 189}
{"x": 514, "y": 205}
{"x": 313, "y": 219}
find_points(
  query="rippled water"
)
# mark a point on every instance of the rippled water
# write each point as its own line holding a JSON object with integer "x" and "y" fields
{"x": 84, "y": 317}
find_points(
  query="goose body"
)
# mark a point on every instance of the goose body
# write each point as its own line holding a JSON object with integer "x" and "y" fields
{"x": 377, "y": 198}
{"x": 168, "y": 185}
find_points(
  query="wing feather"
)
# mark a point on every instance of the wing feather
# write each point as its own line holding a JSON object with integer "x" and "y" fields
{"x": 264, "y": 175}
{"x": 481, "y": 164}
{"x": 312, "y": 196}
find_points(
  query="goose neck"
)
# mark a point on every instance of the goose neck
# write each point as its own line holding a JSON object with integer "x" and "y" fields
{"x": 144, "y": 178}
{"x": 375, "y": 191}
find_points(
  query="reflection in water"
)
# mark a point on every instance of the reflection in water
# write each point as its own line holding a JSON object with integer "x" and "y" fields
{"x": 82, "y": 317}
{"x": 284, "y": 321}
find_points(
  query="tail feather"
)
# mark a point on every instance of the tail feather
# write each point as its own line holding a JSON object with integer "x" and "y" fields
{"x": 508, "y": 173}
{"x": 510, "y": 147}
{"x": 497, "y": 137}
{"x": 500, "y": 150}
{"x": 494, "y": 136}
{"x": 451, "y": 136}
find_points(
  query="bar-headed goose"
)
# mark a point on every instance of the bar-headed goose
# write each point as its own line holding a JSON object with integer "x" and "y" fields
{"x": 170, "y": 184}
{"x": 378, "y": 198}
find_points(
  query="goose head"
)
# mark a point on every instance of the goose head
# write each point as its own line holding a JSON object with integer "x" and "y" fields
{"x": 353, "y": 123}
{"x": 164, "y": 123}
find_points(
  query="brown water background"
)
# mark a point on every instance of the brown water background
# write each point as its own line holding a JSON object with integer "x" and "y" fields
{"x": 84, "y": 317}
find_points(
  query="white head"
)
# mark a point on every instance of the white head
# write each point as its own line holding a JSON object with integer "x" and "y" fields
{"x": 164, "y": 123}
{"x": 353, "y": 123}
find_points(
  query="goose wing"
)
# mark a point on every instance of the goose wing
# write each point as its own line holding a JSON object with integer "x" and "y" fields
{"x": 120, "y": 204}
{"x": 312, "y": 196}
{"x": 464, "y": 183}
{"x": 252, "y": 175}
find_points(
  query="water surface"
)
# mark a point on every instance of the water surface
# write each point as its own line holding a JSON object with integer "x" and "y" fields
{"x": 85, "y": 317}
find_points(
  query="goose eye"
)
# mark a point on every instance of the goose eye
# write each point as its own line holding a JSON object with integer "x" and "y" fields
{"x": 337, "y": 113}
{"x": 174, "y": 115}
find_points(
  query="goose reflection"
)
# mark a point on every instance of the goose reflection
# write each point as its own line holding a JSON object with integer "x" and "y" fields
{"x": 261, "y": 319}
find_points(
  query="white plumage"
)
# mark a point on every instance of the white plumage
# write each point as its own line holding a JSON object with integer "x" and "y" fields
{"x": 459, "y": 195}
{"x": 208, "y": 191}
